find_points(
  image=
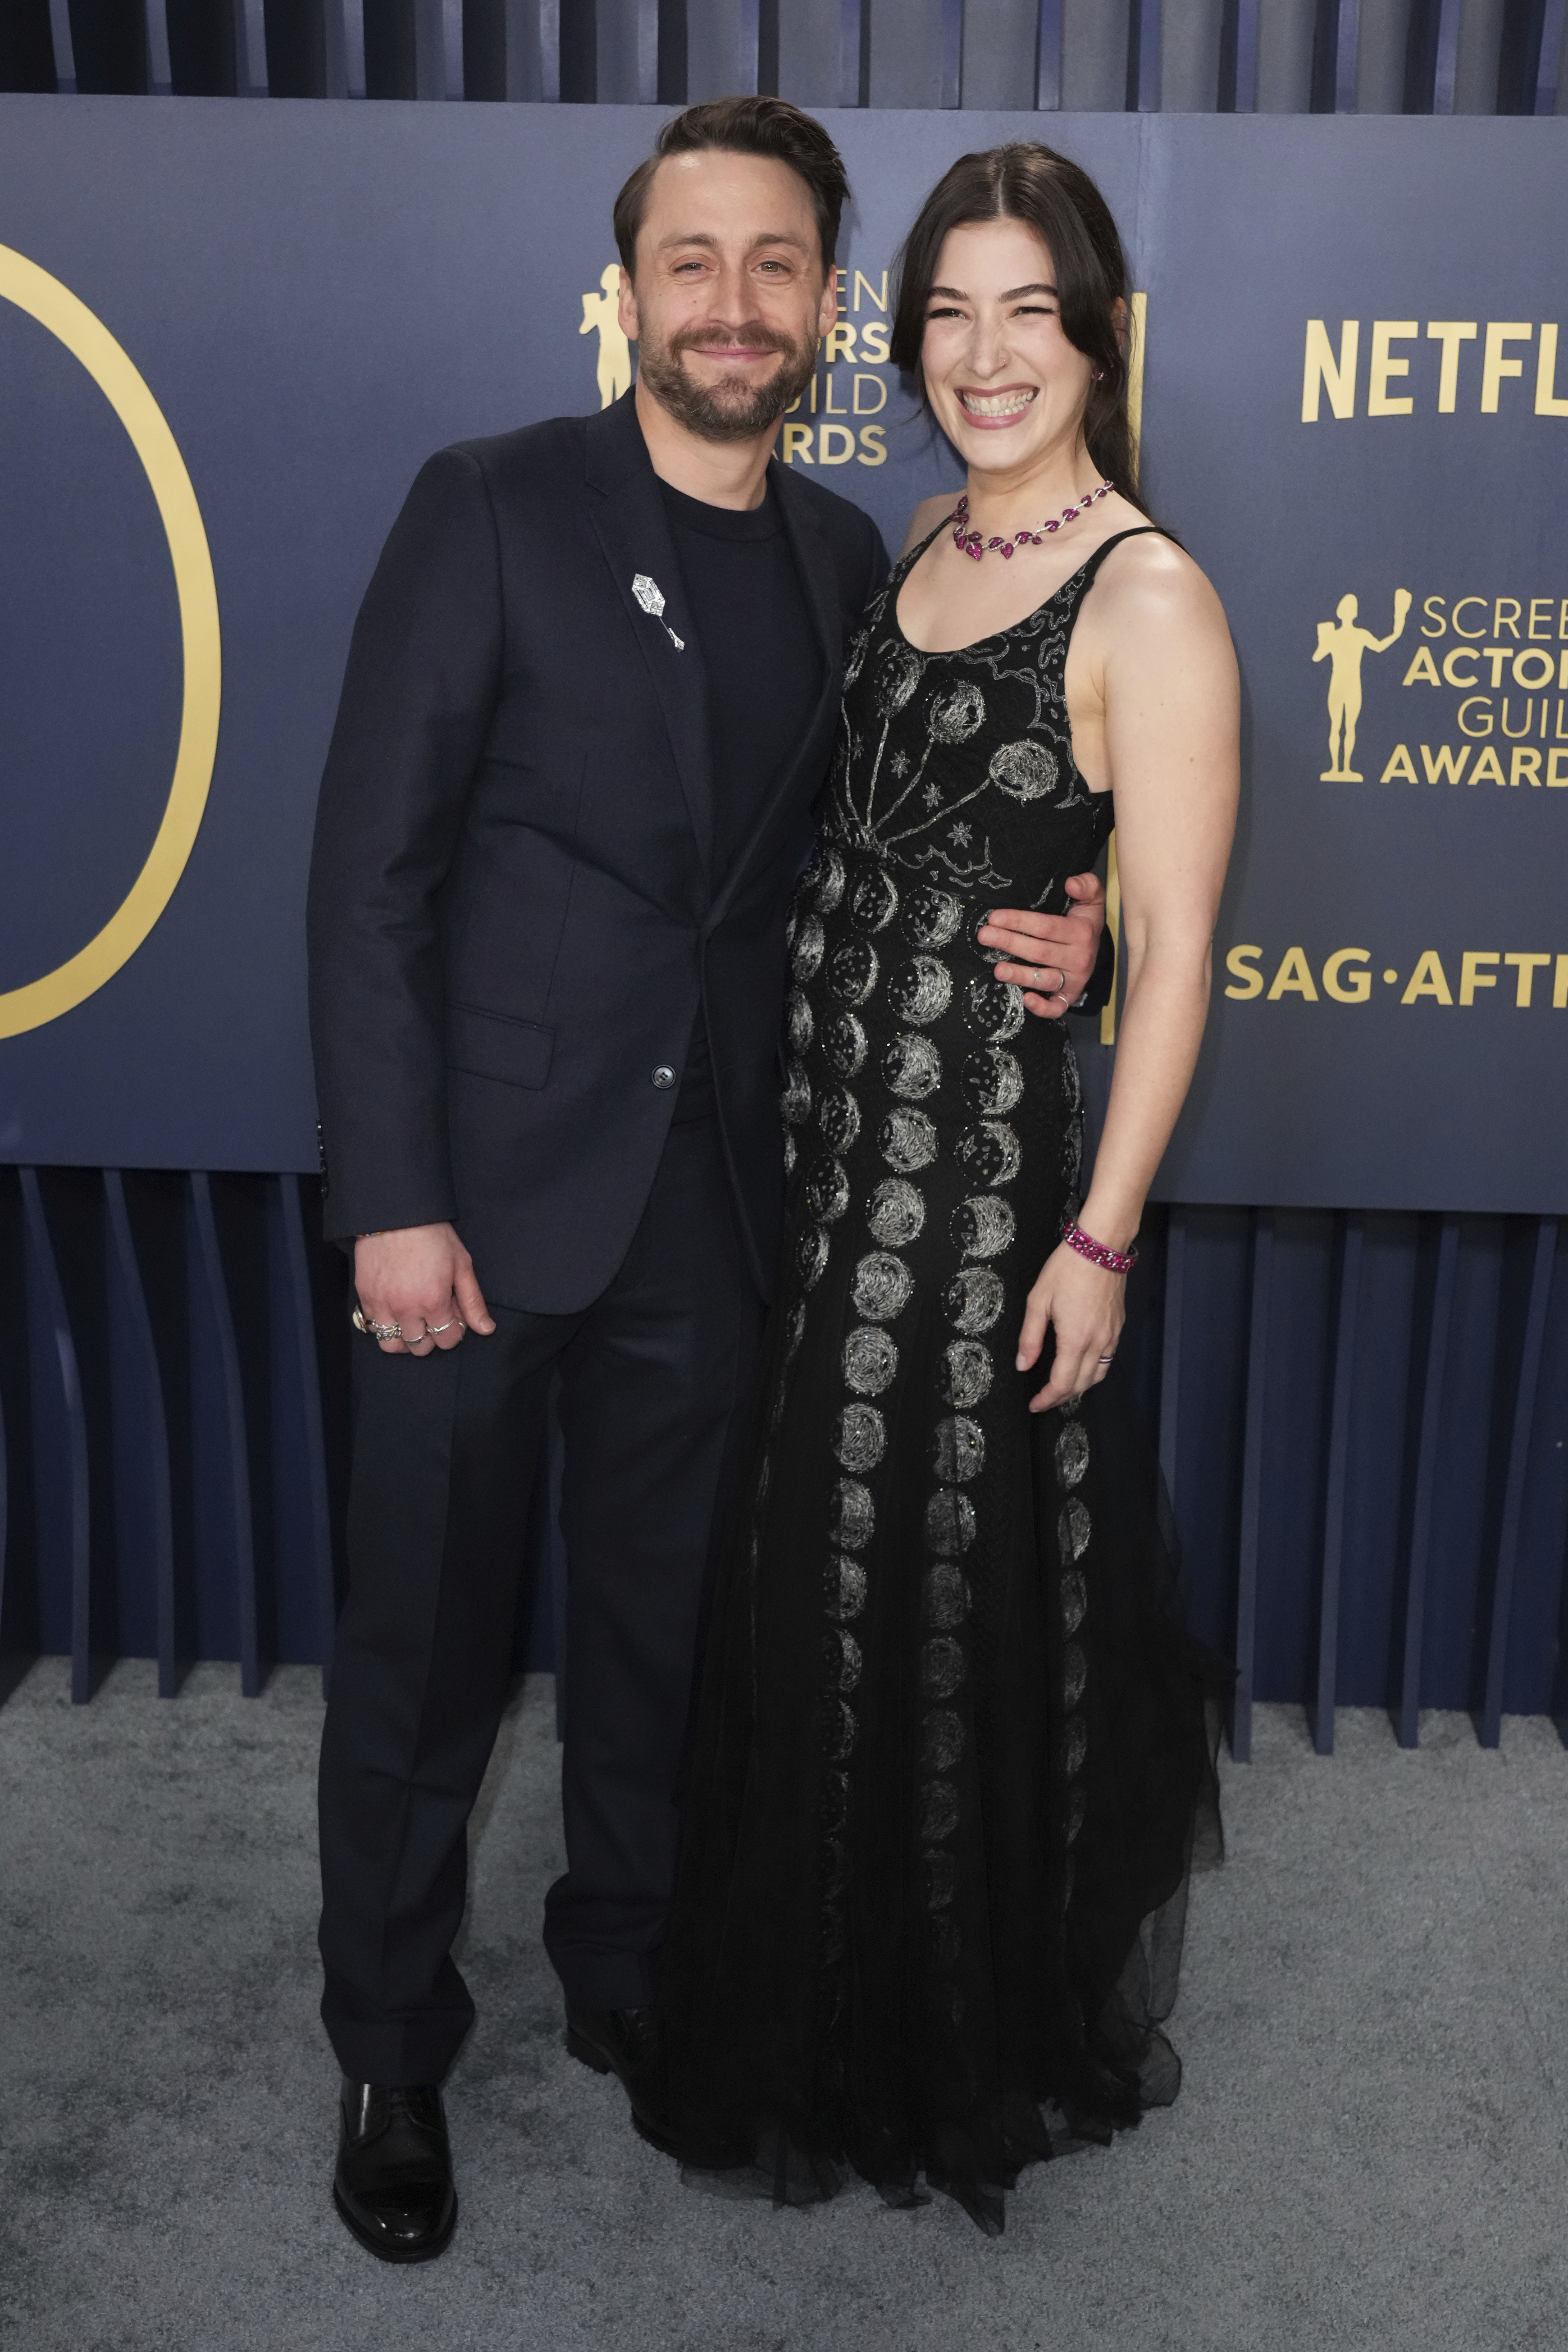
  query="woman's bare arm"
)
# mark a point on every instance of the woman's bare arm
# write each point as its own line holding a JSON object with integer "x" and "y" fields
{"x": 1168, "y": 682}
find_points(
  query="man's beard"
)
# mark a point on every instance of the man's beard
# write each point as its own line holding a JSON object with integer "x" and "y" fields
{"x": 737, "y": 411}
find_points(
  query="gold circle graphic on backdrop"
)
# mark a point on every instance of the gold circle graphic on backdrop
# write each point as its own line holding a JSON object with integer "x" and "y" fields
{"x": 56, "y": 308}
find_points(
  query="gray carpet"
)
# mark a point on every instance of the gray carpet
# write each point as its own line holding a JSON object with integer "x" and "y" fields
{"x": 1369, "y": 2150}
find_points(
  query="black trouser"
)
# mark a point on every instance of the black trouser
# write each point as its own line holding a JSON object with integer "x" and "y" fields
{"x": 445, "y": 1448}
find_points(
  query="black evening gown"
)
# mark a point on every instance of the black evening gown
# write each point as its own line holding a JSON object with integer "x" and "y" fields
{"x": 953, "y": 1751}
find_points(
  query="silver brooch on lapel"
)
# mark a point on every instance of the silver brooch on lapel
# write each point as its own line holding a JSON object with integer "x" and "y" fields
{"x": 650, "y": 596}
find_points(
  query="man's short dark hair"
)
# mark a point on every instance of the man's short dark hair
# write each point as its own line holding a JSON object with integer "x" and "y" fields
{"x": 743, "y": 126}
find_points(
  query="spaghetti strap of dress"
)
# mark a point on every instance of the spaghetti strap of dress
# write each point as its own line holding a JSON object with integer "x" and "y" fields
{"x": 1085, "y": 578}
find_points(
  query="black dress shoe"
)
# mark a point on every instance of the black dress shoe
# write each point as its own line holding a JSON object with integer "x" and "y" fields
{"x": 393, "y": 2182}
{"x": 624, "y": 2041}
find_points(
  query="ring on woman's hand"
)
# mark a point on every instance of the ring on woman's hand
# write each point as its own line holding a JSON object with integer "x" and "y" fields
{"x": 376, "y": 1330}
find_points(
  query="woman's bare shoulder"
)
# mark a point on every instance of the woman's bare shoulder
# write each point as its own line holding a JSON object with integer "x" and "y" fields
{"x": 926, "y": 517}
{"x": 1149, "y": 580}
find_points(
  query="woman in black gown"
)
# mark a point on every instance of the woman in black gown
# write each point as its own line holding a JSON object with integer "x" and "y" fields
{"x": 953, "y": 1749}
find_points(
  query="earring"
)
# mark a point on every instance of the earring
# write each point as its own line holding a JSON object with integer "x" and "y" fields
{"x": 1099, "y": 375}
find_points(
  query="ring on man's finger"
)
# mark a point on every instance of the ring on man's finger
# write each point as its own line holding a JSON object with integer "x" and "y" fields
{"x": 434, "y": 1330}
{"x": 1111, "y": 1359}
{"x": 376, "y": 1330}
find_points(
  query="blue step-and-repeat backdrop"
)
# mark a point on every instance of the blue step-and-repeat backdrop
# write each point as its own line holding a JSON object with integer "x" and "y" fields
{"x": 229, "y": 335}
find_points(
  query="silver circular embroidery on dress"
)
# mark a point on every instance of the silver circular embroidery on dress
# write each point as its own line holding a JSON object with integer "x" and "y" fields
{"x": 824, "y": 877}
{"x": 931, "y": 917}
{"x": 941, "y": 1879}
{"x": 911, "y": 1065}
{"x": 852, "y": 973}
{"x": 939, "y": 1811}
{"x": 949, "y": 1524}
{"x": 921, "y": 990}
{"x": 947, "y": 1594}
{"x": 895, "y": 1212}
{"x": 955, "y": 712}
{"x": 841, "y": 1730}
{"x": 800, "y": 1025}
{"x": 860, "y": 1439}
{"x": 1075, "y": 1673}
{"x": 995, "y": 1009}
{"x": 839, "y": 1116}
{"x": 1075, "y": 1600}
{"x": 852, "y": 1515}
{"x": 897, "y": 674}
{"x": 1074, "y": 1745}
{"x": 991, "y": 1152}
{"x": 941, "y": 1740}
{"x": 942, "y": 1666}
{"x": 844, "y": 1043}
{"x": 873, "y": 899}
{"x": 1072, "y": 1453}
{"x": 974, "y": 1298}
{"x": 883, "y": 1286}
{"x": 907, "y": 1139}
{"x": 789, "y": 1154}
{"x": 1072, "y": 1157}
{"x": 959, "y": 1449}
{"x": 1027, "y": 772}
{"x": 845, "y": 1586}
{"x": 844, "y": 1659}
{"x": 983, "y": 1225}
{"x": 1073, "y": 1530}
{"x": 965, "y": 1376}
{"x": 870, "y": 1360}
{"x": 805, "y": 953}
{"x": 992, "y": 1081}
{"x": 827, "y": 1190}
{"x": 810, "y": 1256}
{"x": 795, "y": 1100}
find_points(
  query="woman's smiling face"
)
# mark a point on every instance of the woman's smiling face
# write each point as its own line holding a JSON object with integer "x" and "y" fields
{"x": 1005, "y": 384}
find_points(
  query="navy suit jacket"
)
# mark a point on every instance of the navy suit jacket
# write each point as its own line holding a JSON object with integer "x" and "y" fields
{"x": 513, "y": 910}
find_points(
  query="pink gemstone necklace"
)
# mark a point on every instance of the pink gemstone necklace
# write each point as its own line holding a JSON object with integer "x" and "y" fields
{"x": 971, "y": 544}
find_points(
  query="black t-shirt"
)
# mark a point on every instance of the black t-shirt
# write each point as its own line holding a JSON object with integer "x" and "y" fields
{"x": 764, "y": 670}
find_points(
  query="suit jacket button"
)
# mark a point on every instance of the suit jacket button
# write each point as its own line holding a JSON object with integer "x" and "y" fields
{"x": 664, "y": 1076}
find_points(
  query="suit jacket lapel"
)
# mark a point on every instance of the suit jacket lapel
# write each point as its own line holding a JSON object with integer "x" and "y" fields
{"x": 628, "y": 515}
{"x": 798, "y": 785}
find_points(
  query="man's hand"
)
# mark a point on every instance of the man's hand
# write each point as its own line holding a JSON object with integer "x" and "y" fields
{"x": 1053, "y": 956}
{"x": 422, "y": 1278}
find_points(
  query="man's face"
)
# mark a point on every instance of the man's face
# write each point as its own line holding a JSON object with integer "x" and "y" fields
{"x": 729, "y": 302}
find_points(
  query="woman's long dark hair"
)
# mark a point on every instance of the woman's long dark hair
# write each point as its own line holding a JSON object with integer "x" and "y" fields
{"x": 1028, "y": 182}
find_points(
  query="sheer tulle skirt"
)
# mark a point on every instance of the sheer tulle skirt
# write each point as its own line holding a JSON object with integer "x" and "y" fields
{"x": 954, "y": 1763}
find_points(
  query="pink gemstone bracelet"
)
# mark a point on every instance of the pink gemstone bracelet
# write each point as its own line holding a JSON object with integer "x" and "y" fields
{"x": 1097, "y": 1253}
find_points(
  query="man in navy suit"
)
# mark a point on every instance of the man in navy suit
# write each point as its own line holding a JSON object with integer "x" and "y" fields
{"x": 589, "y": 705}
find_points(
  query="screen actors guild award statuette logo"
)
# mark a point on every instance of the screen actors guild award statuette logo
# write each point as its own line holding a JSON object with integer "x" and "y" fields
{"x": 1343, "y": 643}
{"x": 601, "y": 317}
